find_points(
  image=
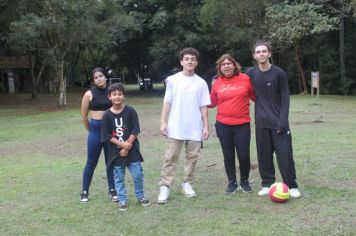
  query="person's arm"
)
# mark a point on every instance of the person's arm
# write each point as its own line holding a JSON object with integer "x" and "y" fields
{"x": 131, "y": 139}
{"x": 134, "y": 131}
{"x": 204, "y": 114}
{"x": 164, "y": 118}
{"x": 85, "y": 108}
{"x": 125, "y": 151}
{"x": 123, "y": 145}
{"x": 213, "y": 97}
{"x": 251, "y": 92}
{"x": 285, "y": 101}
{"x": 106, "y": 134}
{"x": 135, "y": 126}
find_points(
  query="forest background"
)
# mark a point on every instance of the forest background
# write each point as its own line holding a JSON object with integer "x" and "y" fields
{"x": 41, "y": 162}
{"x": 66, "y": 39}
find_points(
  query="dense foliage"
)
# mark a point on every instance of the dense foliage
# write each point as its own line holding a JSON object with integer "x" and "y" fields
{"x": 136, "y": 39}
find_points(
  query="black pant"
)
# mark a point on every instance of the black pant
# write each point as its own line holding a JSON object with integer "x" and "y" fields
{"x": 268, "y": 142}
{"x": 235, "y": 137}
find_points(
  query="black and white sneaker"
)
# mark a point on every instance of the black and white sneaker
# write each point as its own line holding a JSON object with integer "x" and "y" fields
{"x": 231, "y": 187}
{"x": 84, "y": 196}
{"x": 144, "y": 202}
{"x": 113, "y": 195}
{"x": 245, "y": 186}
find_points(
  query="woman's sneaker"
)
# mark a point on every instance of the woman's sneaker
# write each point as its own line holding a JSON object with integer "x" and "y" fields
{"x": 84, "y": 196}
{"x": 231, "y": 187}
{"x": 245, "y": 187}
{"x": 113, "y": 195}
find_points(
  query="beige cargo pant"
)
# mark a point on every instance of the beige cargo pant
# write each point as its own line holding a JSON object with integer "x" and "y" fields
{"x": 173, "y": 148}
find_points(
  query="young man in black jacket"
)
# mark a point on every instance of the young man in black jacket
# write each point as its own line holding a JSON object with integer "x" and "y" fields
{"x": 270, "y": 84}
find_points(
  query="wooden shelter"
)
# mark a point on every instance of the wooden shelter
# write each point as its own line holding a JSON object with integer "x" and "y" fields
{"x": 8, "y": 66}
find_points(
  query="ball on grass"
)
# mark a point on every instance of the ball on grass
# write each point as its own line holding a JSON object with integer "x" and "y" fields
{"x": 279, "y": 192}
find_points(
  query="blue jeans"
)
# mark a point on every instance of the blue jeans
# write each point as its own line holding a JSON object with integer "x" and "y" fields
{"x": 136, "y": 171}
{"x": 94, "y": 146}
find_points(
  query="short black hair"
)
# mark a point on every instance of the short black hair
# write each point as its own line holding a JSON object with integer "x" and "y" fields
{"x": 116, "y": 87}
{"x": 190, "y": 51}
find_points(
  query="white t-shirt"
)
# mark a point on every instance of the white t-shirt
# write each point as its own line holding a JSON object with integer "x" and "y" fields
{"x": 186, "y": 95}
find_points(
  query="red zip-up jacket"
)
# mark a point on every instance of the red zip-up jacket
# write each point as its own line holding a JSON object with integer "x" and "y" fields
{"x": 232, "y": 98}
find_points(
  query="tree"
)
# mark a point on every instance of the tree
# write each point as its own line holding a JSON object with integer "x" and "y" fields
{"x": 8, "y": 13}
{"x": 290, "y": 23}
{"x": 174, "y": 25}
{"x": 54, "y": 29}
{"x": 130, "y": 34}
{"x": 341, "y": 9}
{"x": 239, "y": 23}
{"x": 23, "y": 40}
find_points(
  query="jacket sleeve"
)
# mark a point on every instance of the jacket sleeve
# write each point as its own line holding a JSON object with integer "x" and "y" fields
{"x": 285, "y": 101}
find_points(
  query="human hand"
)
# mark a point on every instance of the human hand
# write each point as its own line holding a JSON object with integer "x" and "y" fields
{"x": 123, "y": 152}
{"x": 163, "y": 129}
{"x": 126, "y": 145}
{"x": 205, "y": 133}
{"x": 280, "y": 131}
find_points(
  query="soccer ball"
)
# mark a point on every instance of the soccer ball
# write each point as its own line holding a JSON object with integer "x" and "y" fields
{"x": 278, "y": 192}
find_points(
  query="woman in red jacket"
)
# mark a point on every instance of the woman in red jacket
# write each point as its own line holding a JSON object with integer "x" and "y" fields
{"x": 231, "y": 93}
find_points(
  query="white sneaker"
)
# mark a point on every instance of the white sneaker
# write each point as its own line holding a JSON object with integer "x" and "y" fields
{"x": 294, "y": 193}
{"x": 263, "y": 192}
{"x": 163, "y": 194}
{"x": 188, "y": 189}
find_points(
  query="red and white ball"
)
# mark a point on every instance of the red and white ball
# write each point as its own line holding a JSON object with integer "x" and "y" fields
{"x": 279, "y": 192}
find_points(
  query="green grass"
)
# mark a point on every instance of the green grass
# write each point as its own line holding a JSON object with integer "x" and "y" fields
{"x": 42, "y": 156}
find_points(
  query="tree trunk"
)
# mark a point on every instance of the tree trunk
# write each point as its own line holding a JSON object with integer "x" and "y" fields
{"x": 34, "y": 83}
{"x": 62, "y": 100}
{"x": 342, "y": 56}
{"x": 35, "y": 79}
{"x": 300, "y": 68}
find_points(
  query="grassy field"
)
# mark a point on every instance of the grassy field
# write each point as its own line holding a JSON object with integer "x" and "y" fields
{"x": 42, "y": 156}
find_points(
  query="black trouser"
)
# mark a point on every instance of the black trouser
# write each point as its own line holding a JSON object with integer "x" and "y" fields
{"x": 268, "y": 142}
{"x": 235, "y": 137}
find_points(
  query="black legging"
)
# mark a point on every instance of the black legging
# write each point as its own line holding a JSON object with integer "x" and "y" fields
{"x": 235, "y": 137}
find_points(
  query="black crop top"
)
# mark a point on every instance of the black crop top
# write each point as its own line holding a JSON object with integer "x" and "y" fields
{"x": 100, "y": 100}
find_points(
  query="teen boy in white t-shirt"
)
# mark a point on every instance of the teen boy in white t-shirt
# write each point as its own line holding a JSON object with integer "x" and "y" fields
{"x": 184, "y": 120}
